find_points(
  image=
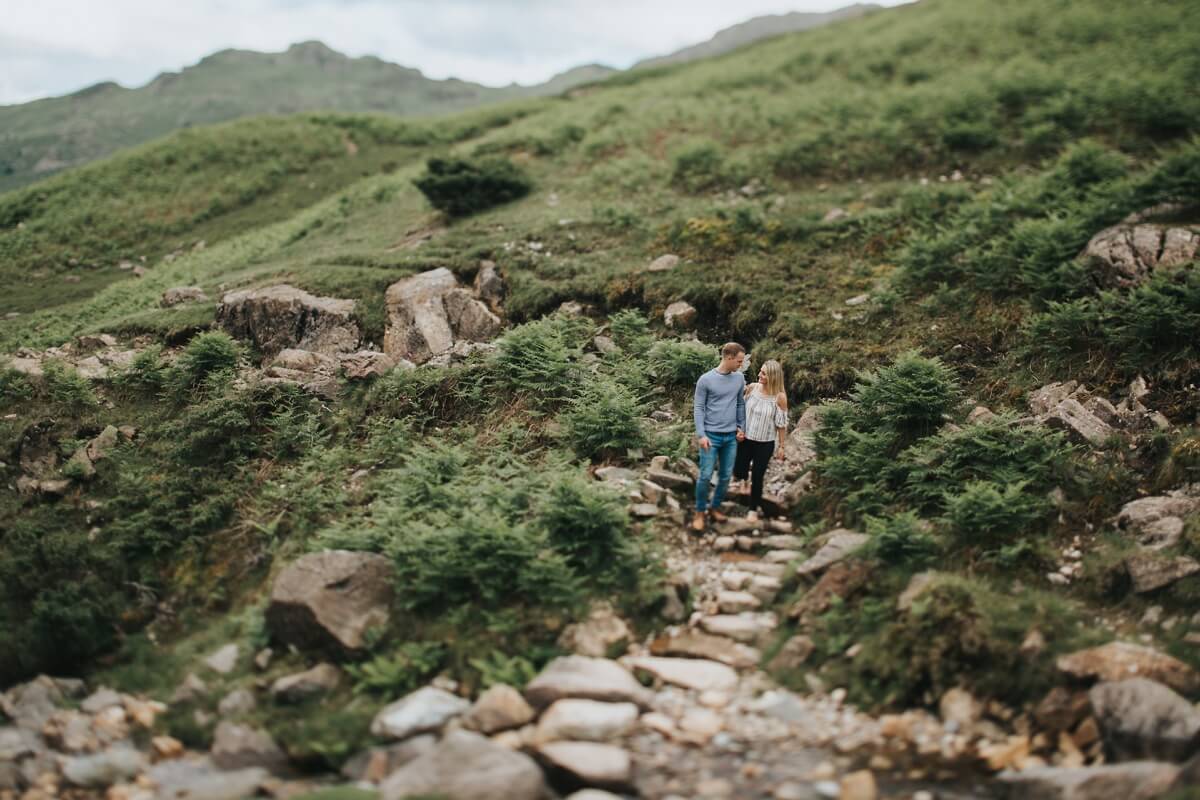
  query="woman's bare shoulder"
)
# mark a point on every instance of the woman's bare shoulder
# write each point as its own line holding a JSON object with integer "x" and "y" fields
{"x": 781, "y": 400}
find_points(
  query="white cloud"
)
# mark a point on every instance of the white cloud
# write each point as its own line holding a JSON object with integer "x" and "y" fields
{"x": 55, "y": 46}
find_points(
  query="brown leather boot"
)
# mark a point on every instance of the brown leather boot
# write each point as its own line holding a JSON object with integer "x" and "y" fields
{"x": 698, "y": 522}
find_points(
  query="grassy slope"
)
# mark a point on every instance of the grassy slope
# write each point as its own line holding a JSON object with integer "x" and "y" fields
{"x": 853, "y": 116}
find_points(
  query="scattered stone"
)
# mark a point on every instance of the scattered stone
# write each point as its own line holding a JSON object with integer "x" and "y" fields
{"x": 1157, "y": 522}
{"x": 499, "y": 708}
{"x": 680, "y": 314}
{"x": 858, "y": 299}
{"x": 262, "y": 659}
{"x": 1150, "y": 572}
{"x": 426, "y": 709}
{"x": 429, "y": 312}
{"x": 178, "y": 295}
{"x": 376, "y": 763}
{"x": 1125, "y": 255}
{"x": 585, "y": 720}
{"x": 279, "y": 317}
{"x": 369, "y": 364}
{"x": 574, "y": 765}
{"x": 224, "y": 660}
{"x": 600, "y": 635}
{"x": 301, "y": 685}
{"x": 192, "y": 688}
{"x": 240, "y": 746}
{"x": 858, "y": 786}
{"x": 1117, "y": 661}
{"x": 740, "y": 627}
{"x": 690, "y": 673}
{"x": 236, "y": 703}
{"x": 835, "y": 214}
{"x": 737, "y": 602}
{"x": 663, "y": 263}
{"x": 1143, "y": 719}
{"x": 489, "y": 286}
{"x": 793, "y": 654}
{"x": 328, "y": 600}
{"x": 467, "y": 766}
{"x": 1062, "y": 709}
{"x": 588, "y": 678}
{"x": 99, "y": 700}
{"x": 960, "y": 707}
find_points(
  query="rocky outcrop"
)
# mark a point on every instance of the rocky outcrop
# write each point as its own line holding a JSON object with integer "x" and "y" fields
{"x": 1157, "y": 522}
{"x": 598, "y": 635}
{"x": 1143, "y": 719}
{"x": 467, "y": 766}
{"x": 428, "y": 313}
{"x": 680, "y": 315}
{"x": 328, "y": 601}
{"x": 832, "y": 547}
{"x": 1150, "y": 572}
{"x": 241, "y": 747}
{"x": 489, "y": 286}
{"x": 422, "y": 711}
{"x": 1126, "y": 254}
{"x": 1136, "y": 780}
{"x": 1117, "y": 661}
{"x": 589, "y": 678}
{"x": 1091, "y": 419}
{"x": 280, "y": 317}
{"x": 499, "y": 708}
{"x": 301, "y": 685}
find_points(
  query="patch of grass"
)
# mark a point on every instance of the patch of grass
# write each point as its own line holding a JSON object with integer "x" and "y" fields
{"x": 460, "y": 188}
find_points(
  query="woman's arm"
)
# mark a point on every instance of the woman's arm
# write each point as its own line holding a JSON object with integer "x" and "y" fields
{"x": 781, "y": 431}
{"x": 749, "y": 388}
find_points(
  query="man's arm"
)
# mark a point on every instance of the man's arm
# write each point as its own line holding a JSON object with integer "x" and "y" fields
{"x": 698, "y": 402}
{"x": 741, "y": 410}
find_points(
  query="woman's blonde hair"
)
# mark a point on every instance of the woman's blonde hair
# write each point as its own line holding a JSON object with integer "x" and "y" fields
{"x": 774, "y": 384}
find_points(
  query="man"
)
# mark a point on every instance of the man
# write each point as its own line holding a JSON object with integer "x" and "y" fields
{"x": 720, "y": 412}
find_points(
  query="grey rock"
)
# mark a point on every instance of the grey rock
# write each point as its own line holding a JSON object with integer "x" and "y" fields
{"x": 178, "y": 295}
{"x": 301, "y": 685}
{"x": 279, "y": 317}
{"x": 99, "y": 700}
{"x": 1157, "y": 522}
{"x": 237, "y": 703}
{"x": 1150, "y": 571}
{"x": 835, "y": 214}
{"x": 1135, "y": 780}
{"x": 31, "y": 704}
{"x": 793, "y": 654}
{"x": 199, "y": 779}
{"x": 833, "y": 547}
{"x": 671, "y": 480}
{"x": 428, "y": 312}
{"x": 598, "y": 635}
{"x": 489, "y": 285}
{"x": 500, "y": 708}
{"x": 190, "y": 689}
{"x": 376, "y": 763}
{"x": 100, "y": 770}
{"x": 467, "y": 766}
{"x": 329, "y": 600}
{"x": 689, "y": 673}
{"x": 1125, "y": 255}
{"x": 241, "y": 746}
{"x": 588, "y": 678}
{"x": 664, "y": 263}
{"x": 1117, "y": 661}
{"x": 426, "y": 709}
{"x": 680, "y": 314}
{"x": 1078, "y": 423}
{"x": 585, "y": 720}
{"x": 574, "y": 765}
{"x": 698, "y": 644}
{"x": 1141, "y": 719}
{"x": 223, "y": 661}
{"x": 368, "y": 364}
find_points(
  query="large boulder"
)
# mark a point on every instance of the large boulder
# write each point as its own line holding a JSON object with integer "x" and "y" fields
{"x": 427, "y": 709}
{"x": 500, "y": 708}
{"x": 1157, "y": 522}
{"x": 832, "y": 547}
{"x": 598, "y": 635}
{"x": 1143, "y": 719}
{"x": 1125, "y": 254}
{"x": 279, "y": 317}
{"x": 1152, "y": 571}
{"x": 429, "y": 312}
{"x": 237, "y": 747}
{"x": 489, "y": 285}
{"x": 467, "y": 766}
{"x": 328, "y": 601}
{"x": 1117, "y": 661}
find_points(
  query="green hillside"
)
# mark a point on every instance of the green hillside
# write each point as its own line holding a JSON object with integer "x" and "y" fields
{"x": 974, "y": 148}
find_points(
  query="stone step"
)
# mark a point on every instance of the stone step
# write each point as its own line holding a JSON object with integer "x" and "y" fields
{"x": 747, "y": 628}
{"x": 690, "y": 643}
{"x": 688, "y": 673}
{"x": 737, "y": 602}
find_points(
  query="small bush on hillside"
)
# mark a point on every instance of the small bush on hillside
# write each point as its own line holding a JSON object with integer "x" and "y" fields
{"x": 207, "y": 354}
{"x": 677, "y": 363}
{"x": 631, "y": 331}
{"x": 912, "y": 396}
{"x": 902, "y": 539}
{"x": 397, "y": 673}
{"x": 15, "y": 387}
{"x": 514, "y": 671}
{"x": 604, "y": 420}
{"x": 460, "y": 187}
{"x": 698, "y": 167}
{"x": 145, "y": 374}
{"x": 68, "y": 388}
{"x": 540, "y": 360}
{"x": 428, "y": 395}
{"x": 986, "y": 514}
{"x": 591, "y": 528}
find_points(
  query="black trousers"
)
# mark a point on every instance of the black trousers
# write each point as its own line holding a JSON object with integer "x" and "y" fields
{"x": 752, "y": 460}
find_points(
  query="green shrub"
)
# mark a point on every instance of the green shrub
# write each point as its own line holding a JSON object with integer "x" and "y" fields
{"x": 68, "y": 388}
{"x": 15, "y": 386}
{"x": 145, "y": 374}
{"x": 540, "y": 360}
{"x": 514, "y": 671}
{"x": 631, "y": 331}
{"x": 591, "y": 528}
{"x": 678, "y": 364}
{"x": 604, "y": 420}
{"x": 460, "y": 188}
{"x": 902, "y": 539}
{"x": 400, "y": 672}
{"x": 989, "y": 515}
{"x": 698, "y": 166}
{"x": 208, "y": 354}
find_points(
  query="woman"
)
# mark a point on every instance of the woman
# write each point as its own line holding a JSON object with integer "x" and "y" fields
{"x": 766, "y": 421}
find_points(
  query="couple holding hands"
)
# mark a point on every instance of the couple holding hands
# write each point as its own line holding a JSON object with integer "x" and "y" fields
{"x": 737, "y": 427}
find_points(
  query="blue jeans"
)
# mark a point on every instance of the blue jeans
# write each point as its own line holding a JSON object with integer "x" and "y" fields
{"x": 722, "y": 452}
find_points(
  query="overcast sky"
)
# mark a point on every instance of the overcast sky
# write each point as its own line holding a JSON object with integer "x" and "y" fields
{"x": 51, "y": 47}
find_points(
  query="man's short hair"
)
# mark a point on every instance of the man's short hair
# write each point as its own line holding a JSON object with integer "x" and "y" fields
{"x": 732, "y": 349}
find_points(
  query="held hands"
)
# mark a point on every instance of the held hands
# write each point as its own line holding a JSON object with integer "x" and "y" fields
{"x": 704, "y": 443}
{"x": 741, "y": 435}
{"x": 779, "y": 456}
